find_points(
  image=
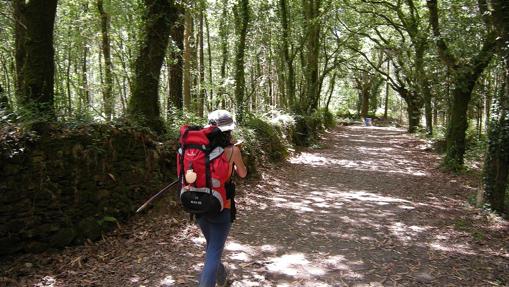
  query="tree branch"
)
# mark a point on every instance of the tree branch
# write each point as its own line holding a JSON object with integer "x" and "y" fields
{"x": 443, "y": 49}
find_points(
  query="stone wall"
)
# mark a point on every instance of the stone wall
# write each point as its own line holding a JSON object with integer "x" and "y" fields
{"x": 70, "y": 185}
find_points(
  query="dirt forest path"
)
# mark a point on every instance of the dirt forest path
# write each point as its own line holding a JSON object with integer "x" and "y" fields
{"x": 368, "y": 208}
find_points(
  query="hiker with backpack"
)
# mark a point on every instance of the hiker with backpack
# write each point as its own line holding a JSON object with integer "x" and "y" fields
{"x": 206, "y": 162}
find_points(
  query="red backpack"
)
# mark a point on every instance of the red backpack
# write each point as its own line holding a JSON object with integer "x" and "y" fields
{"x": 202, "y": 170}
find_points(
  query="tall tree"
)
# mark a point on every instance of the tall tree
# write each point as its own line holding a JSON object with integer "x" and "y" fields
{"x": 84, "y": 102}
{"x": 288, "y": 54}
{"x": 108, "y": 100}
{"x": 35, "y": 68}
{"x": 209, "y": 54}
{"x": 464, "y": 75}
{"x": 144, "y": 102}
{"x": 496, "y": 168}
{"x": 407, "y": 40}
{"x": 241, "y": 23}
{"x": 201, "y": 56}
{"x": 223, "y": 35}
{"x": 188, "y": 34}
{"x": 175, "y": 74}
{"x": 311, "y": 10}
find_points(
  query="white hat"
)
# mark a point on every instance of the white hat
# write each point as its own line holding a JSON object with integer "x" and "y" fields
{"x": 222, "y": 119}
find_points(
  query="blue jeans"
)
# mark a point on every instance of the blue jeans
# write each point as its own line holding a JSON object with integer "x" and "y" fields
{"x": 215, "y": 229}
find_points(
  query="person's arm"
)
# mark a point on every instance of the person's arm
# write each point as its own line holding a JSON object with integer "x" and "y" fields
{"x": 238, "y": 163}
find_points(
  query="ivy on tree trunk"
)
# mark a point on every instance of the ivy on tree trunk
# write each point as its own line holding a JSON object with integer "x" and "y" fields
{"x": 311, "y": 9}
{"x": 144, "y": 102}
{"x": 496, "y": 168}
{"x": 35, "y": 68}
{"x": 176, "y": 67}
{"x": 464, "y": 75}
{"x": 242, "y": 21}
{"x": 108, "y": 100}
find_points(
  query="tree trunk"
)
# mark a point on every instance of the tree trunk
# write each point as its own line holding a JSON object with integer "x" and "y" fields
{"x": 364, "y": 96}
{"x": 331, "y": 90}
{"x": 428, "y": 109}
{"x": 458, "y": 123}
{"x": 68, "y": 82}
{"x": 423, "y": 84}
{"x": 85, "y": 95}
{"x": 386, "y": 102}
{"x": 176, "y": 69}
{"x": 202, "y": 92}
{"x": 107, "y": 88}
{"x": 496, "y": 168}
{"x": 187, "y": 59}
{"x": 413, "y": 108}
{"x": 209, "y": 54}
{"x": 414, "y": 114}
{"x": 465, "y": 76}
{"x": 478, "y": 122}
{"x": 223, "y": 34}
{"x": 195, "y": 73}
{"x": 35, "y": 56}
{"x": 312, "y": 36}
{"x": 144, "y": 102}
{"x": 487, "y": 101}
{"x": 288, "y": 59}
{"x": 270, "y": 81}
{"x": 242, "y": 21}
{"x": 435, "y": 112}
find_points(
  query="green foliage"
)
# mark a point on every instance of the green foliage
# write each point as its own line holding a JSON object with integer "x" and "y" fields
{"x": 108, "y": 222}
{"x": 450, "y": 164}
{"x": 269, "y": 138}
{"x": 475, "y": 147}
{"x": 308, "y": 128}
{"x": 346, "y": 113}
{"x": 327, "y": 118}
{"x": 176, "y": 120}
{"x": 14, "y": 139}
{"x": 497, "y": 161}
{"x": 438, "y": 139}
{"x": 251, "y": 148}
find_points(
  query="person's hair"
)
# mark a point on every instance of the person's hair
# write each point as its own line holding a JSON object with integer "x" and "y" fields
{"x": 225, "y": 138}
{"x": 220, "y": 138}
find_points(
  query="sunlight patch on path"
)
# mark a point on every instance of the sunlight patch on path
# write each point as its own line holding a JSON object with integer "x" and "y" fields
{"x": 167, "y": 281}
{"x": 406, "y": 233}
{"x": 295, "y": 265}
{"x": 390, "y": 166}
{"x": 362, "y": 195}
{"x": 453, "y": 248}
{"x": 47, "y": 281}
{"x": 329, "y": 198}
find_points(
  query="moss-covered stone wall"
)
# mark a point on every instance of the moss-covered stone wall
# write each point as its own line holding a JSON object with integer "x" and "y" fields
{"x": 70, "y": 185}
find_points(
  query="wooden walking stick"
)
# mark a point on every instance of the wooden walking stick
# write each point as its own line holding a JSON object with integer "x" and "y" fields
{"x": 156, "y": 196}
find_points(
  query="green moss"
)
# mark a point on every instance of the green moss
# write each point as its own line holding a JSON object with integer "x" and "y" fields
{"x": 269, "y": 138}
{"x": 89, "y": 228}
{"x": 63, "y": 237}
{"x": 10, "y": 245}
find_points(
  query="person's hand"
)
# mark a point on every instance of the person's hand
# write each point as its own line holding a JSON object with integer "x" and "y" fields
{"x": 239, "y": 143}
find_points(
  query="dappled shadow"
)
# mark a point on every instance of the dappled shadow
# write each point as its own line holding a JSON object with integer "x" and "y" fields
{"x": 368, "y": 208}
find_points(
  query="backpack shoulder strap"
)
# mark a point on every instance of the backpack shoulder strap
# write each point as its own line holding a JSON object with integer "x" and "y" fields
{"x": 215, "y": 153}
{"x": 231, "y": 155}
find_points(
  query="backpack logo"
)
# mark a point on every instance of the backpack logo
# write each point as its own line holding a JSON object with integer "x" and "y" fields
{"x": 191, "y": 153}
